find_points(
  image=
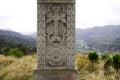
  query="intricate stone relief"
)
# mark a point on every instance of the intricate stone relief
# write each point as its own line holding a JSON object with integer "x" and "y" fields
{"x": 56, "y": 57}
{"x": 41, "y": 35}
{"x": 70, "y": 35}
{"x": 56, "y": 24}
{"x": 56, "y": 33}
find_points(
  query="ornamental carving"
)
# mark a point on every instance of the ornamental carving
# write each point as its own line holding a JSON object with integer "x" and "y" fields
{"x": 56, "y": 33}
{"x": 56, "y": 57}
{"x": 56, "y": 24}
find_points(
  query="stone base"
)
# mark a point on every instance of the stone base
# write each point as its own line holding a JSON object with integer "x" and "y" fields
{"x": 55, "y": 74}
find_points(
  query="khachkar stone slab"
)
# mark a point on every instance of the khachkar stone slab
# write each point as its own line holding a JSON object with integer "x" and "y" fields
{"x": 56, "y": 40}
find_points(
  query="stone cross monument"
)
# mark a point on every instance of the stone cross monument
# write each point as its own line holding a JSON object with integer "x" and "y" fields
{"x": 56, "y": 40}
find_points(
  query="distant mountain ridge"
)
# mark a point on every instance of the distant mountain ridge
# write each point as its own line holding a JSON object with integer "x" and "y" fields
{"x": 10, "y": 40}
{"x": 105, "y": 38}
{"x": 17, "y": 38}
{"x": 33, "y": 35}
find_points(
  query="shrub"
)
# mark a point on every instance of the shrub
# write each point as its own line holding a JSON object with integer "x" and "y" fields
{"x": 116, "y": 62}
{"x": 13, "y": 52}
{"x": 16, "y": 53}
{"x": 93, "y": 56}
{"x": 7, "y": 52}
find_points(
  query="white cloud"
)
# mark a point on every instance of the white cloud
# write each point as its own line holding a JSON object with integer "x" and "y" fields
{"x": 92, "y": 13}
{"x": 20, "y": 15}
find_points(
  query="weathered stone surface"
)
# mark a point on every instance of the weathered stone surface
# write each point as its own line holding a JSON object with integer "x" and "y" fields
{"x": 56, "y": 74}
{"x": 56, "y": 40}
{"x": 57, "y": 1}
{"x": 56, "y": 34}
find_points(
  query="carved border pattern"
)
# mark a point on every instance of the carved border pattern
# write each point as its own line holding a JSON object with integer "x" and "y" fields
{"x": 41, "y": 35}
{"x": 57, "y": 1}
{"x": 70, "y": 35}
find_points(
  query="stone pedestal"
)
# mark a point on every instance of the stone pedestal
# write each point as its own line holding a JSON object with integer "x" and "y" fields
{"x": 55, "y": 74}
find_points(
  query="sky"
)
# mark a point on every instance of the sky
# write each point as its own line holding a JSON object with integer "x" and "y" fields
{"x": 21, "y": 15}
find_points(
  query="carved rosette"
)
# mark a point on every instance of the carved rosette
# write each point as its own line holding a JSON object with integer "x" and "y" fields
{"x": 56, "y": 57}
{"x": 56, "y": 33}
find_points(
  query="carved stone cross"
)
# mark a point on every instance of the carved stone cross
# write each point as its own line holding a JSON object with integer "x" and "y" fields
{"x": 56, "y": 40}
{"x": 55, "y": 16}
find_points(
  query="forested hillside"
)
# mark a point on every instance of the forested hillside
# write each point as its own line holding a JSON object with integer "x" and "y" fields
{"x": 11, "y": 39}
{"x": 105, "y": 38}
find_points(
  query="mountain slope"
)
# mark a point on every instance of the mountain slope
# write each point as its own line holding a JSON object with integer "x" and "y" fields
{"x": 16, "y": 38}
{"x": 11, "y": 39}
{"x": 105, "y": 38}
{"x": 33, "y": 35}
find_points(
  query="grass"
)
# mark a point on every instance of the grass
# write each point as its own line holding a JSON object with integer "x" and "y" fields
{"x": 12, "y": 68}
{"x": 99, "y": 73}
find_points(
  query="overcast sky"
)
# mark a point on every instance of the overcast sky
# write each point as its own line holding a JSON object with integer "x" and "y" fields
{"x": 20, "y": 15}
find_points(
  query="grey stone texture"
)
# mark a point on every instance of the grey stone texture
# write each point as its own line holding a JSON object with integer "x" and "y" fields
{"x": 56, "y": 74}
{"x": 57, "y": 1}
{"x": 56, "y": 40}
